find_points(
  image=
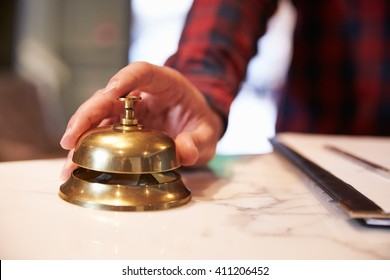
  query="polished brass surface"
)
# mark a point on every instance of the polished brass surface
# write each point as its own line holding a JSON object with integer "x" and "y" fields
{"x": 126, "y": 147}
{"x": 136, "y": 150}
{"x": 129, "y": 118}
{"x": 125, "y": 167}
{"x": 125, "y": 192}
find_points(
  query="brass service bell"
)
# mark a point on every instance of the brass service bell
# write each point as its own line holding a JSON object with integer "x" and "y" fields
{"x": 125, "y": 167}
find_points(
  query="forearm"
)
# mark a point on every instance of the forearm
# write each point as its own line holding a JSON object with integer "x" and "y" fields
{"x": 218, "y": 40}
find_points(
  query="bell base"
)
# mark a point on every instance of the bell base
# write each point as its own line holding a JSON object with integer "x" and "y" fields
{"x": 125, "y": 192}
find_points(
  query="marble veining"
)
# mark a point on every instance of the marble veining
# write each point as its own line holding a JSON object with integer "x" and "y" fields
{"x": 243, "y": 207}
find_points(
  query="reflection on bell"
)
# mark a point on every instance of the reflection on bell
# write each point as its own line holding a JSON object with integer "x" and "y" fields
{"x": 125, "y": 167}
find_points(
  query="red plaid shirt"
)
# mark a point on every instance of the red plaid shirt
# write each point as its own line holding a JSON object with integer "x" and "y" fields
{"x": 339, "y": 79}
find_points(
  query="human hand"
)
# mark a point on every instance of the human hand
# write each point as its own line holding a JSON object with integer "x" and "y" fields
{"x": 169, "y": 103}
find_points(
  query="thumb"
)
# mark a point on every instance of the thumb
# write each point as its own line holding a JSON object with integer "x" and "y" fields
{"x": 186, "y": 148}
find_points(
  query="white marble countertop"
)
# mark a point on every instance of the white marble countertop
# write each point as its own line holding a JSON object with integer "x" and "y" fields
{"x": 244, "y": 207}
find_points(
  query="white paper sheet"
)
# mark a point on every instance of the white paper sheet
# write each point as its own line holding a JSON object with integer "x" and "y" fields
{"x": 375, "y": 149}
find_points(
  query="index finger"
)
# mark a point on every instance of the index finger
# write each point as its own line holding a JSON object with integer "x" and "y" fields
{"x": 90, "y": 114}
{"x": 137, "y": 76}
{"x": 143, "y": 76}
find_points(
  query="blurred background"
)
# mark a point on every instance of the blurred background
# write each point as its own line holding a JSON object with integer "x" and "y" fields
{"x": 54, "y": 54}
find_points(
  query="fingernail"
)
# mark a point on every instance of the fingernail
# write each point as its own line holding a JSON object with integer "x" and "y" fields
{"x": 110, "y": 86}
{"x": 66, "y": 134}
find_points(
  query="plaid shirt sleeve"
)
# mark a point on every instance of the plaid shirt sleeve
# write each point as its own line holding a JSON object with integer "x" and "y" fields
{"x": 218, "y": 40}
